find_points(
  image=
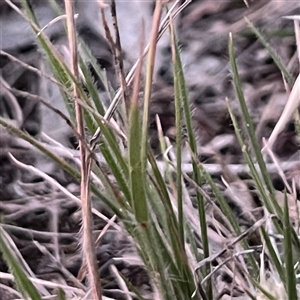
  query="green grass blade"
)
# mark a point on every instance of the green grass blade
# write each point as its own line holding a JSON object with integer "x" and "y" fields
{"x": 254, "y": 173}
{"x": 288, "y": 253}
{"x": 115, "y": 167}
{"x": 287, "y": 75}
{"x": 25, "y": 286}
{"x": 99, "y": 72}
{"x": 273, "y": 255}
{"x": 113, "y": 147}
{"x": 136, "y": 174}
{"x": 268, "y": 198}
{"x": 148, "y": 80}
{"x": 248, "y": 120}
{"x": 181, "y": 90}
{"x": 178, "y": 124}
{"x": 182, "y": 103}
{"x": 192, "y": 143}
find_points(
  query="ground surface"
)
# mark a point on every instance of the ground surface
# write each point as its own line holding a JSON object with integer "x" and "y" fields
{"x": 33, "y": 210}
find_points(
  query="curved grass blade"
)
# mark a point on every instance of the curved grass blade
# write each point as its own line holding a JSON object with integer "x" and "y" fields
{"x": 288, "y": 253}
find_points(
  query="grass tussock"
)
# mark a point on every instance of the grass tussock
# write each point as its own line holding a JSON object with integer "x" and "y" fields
{"x": 183, "y": 237}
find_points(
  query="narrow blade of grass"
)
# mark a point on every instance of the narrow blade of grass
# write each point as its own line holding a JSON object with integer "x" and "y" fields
{"x": 137, "y": 171}
{"x": 136, "y": 174}
{"x": 178, "y": 124}
{"x": 181, "y": 90}
{"x": 247, "y": 119}
{"x": 273, "y": 255}
{"x": 288, "y": 254}
{"x": 288, "y": 76}
{"x": 182, "y": 103}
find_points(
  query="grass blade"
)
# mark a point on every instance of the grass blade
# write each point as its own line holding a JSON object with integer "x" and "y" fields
{"x": 288, "y": 253}
{"x": 248, "y": 120}
{"x": 137, "y": 171}
{"x": 181, "y": 95}
{"x": 287, "y": 75}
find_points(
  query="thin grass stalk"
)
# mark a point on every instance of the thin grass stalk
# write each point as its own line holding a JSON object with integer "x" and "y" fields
{"x": 182, "y": 94}
{"x": 273, "y": 255}
{"x": 117, "y": 52}
{"x": 255, "y": 175}
{"x": 271, "y": 204}
{"x": 191, "y": 141}
{"x": 288, "y": 254}
{"x": 91, "y": 86}
{"x": 56, "y": 7}
{"x": 60, "y": 69}
{"x": 178, "y": 124}
{"x": 92, "y": 60}
{"x": 161, "y": 188}
{"x": 115, "y": 167}
{"x": 169, "y": 224}
{"x": 87, "y": 218}
{"x": 163, "y": 266}
{"x": 119, "y": 59}
{"x": 287, "y": 75}
{"x": 249, "y": 125}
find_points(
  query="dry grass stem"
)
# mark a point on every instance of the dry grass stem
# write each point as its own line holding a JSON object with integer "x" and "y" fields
{"x": 89, "y": 254}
